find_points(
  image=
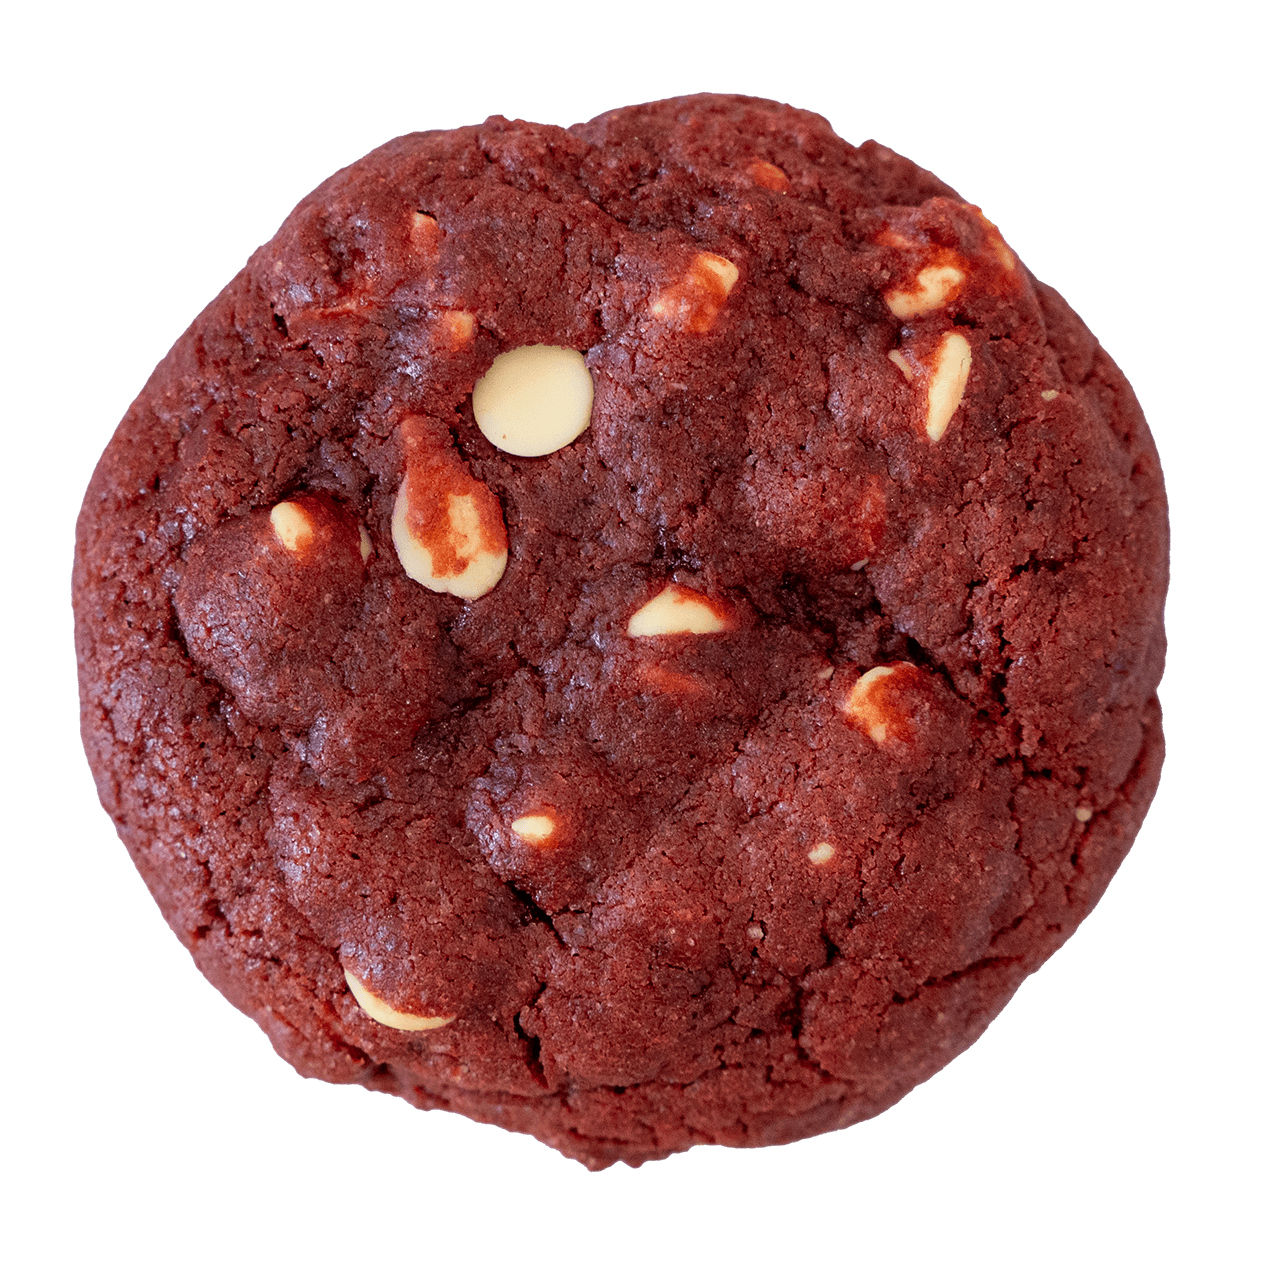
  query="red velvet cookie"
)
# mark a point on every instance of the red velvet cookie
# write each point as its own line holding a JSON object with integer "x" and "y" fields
{"x": 644, "y": 634}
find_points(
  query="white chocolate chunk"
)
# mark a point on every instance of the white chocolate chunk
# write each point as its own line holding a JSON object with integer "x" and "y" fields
{"x": 1048, "y": 396}
{"x": 366, "y": 545}
{"x": 676, "y": 610}
{"x": 534, "y": 400}
{"x": 947, "y": 384}
{"x": 722, "y": 269}
{"x": 466, "y": 556}
{"x": 378, "y": 1010}
{"x": 872, "y": 675}
{"x": 534, "y": 828}
{"x": 934, "y": 286}
{"x": 292, "y": 525}
{"x": 821, "y": 853}
{"x": 694, "y": 302}
{"x": 862, "y": 704}
{"x": 902, "y": 364}
{"x": 1083, "y": 815}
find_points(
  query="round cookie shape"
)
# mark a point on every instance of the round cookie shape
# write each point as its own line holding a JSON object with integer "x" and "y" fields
{"x": 643, "y": 633}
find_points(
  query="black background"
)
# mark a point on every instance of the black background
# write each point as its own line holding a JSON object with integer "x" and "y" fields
{"x": 158, "y": 202}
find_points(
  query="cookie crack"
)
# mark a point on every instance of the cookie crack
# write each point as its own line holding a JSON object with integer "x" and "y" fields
{"x": 533, "y": 910}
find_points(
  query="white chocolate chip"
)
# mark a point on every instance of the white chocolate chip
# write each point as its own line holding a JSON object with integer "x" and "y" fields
{"x": 901, "y": 363}
{"x": 821, "y": 853}
{"x": 534, "y": 400}
{"x": 860, "y": 566}
{"x": 1048, "y": 396}
{"x": 464, "y": 554}
{"x": 826, "y": 673}
{"x": 935, "y": 285}
{"x": 366, "y": 545}
{"x": 378, "y": 1010}
{"x": 754, "y": 932}
{"x": 947, "y": 384}
{"x": 536, "y": 828}
{"x": 1083, "y": 815}
{"x": 862, "y": 704}
{"x": 676, "y": 610}
{"x": 292, "y": 525}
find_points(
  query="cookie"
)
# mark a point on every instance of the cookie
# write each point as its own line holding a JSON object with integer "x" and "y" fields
{"x": 643, "y": 634}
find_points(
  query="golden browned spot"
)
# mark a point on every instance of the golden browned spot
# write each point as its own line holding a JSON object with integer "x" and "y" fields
{"x": 891, "y": 237}
{"x": 663, "y": 680}
{"x": 767, "y": 176}
{"x": 457, "y": 328}
{"x": 424, "y": 233}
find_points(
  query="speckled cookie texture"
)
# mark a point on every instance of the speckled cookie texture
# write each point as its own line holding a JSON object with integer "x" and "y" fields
{"x": 714, "y": 775}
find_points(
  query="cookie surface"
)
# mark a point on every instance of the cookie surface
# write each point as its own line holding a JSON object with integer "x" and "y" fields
{"x": 644, "y": 634}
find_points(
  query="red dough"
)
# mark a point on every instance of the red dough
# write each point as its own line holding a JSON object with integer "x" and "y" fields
{"x": 634, "y": 891}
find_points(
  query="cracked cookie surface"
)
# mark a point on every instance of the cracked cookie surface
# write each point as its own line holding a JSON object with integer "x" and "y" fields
{"x": 696, "y": 732}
